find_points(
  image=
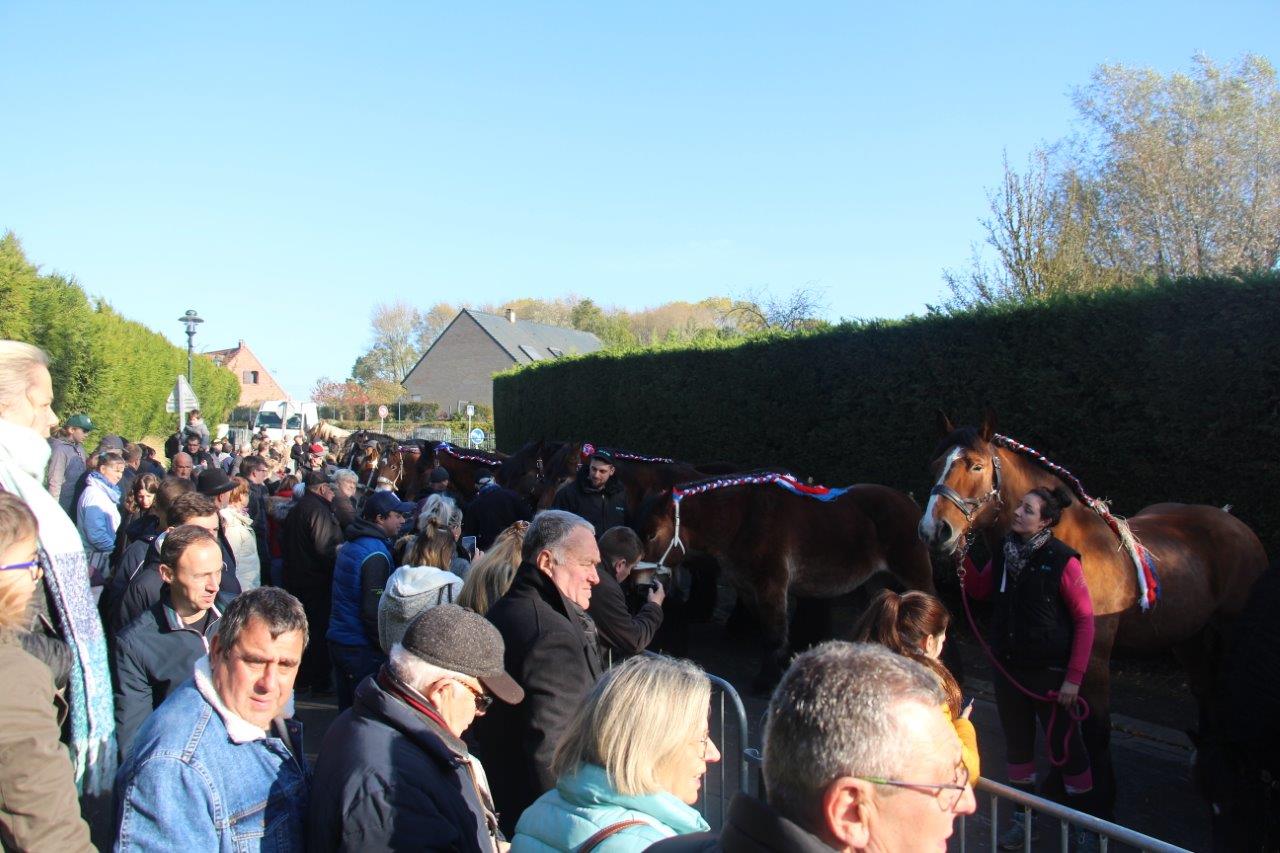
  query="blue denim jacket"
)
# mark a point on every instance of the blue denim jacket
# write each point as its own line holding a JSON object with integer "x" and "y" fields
{"x": 200, "y": 778}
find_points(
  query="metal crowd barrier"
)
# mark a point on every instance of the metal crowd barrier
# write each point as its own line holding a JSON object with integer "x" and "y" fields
{"x": 1067, "y": 819}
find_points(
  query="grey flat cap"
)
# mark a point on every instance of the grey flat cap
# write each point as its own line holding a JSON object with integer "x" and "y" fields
{"x": 456, "y": 639}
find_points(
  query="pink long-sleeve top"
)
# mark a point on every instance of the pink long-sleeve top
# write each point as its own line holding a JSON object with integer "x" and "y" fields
{"x": 980, "y": 584}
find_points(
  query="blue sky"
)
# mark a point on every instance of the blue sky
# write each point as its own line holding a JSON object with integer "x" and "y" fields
{"x": 283, "y": 167}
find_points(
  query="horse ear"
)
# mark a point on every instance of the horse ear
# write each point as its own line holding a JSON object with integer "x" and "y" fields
{"x": 945, "y": 427}
{"x": 988, "y": 427}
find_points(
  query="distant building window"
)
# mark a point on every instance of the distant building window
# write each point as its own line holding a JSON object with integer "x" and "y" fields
{"x": 249, "y": 377}
{"x": 556, "y": 351}
{"x": 533, "y": 354}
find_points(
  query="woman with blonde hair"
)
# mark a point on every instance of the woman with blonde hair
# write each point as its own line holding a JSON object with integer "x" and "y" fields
{"x": 26, "y": 416}
{"x": 422, "y": 582}
{"x": 38, "y": 808}
{"x": 630, "y": 765}
{"x": 491, "y": 575}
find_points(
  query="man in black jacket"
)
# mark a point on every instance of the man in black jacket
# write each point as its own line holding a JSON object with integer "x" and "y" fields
{"x": 143, "y": 589}
{"x": 551, "y": 653}
{"x": 157, "y": 651}
{"x": 492, "y": 511}
{"x": 857, "y": 756}
{"x": 624, "y": 632}
{"x": 310, "y": 540}
{"x": 595, "y": 494}
{"x": 393, "y": 771}
{"x": 255, "y": 469}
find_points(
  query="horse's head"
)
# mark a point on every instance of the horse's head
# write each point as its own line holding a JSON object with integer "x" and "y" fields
{"x": 966, "y": 494}
{"x": 656, "y": 526}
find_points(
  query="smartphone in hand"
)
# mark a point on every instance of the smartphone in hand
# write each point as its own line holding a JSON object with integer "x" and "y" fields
{"x": 468, "y": 545}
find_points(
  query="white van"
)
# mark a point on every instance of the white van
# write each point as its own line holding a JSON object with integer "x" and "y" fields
{"x": 285, "y": 418}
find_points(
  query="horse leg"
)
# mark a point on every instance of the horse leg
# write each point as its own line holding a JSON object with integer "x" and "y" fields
{"x": 811, "y": 623}
{"x": 771, "y": 607}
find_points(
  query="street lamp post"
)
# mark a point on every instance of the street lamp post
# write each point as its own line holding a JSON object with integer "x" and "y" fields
{"x": 191, "y": 319}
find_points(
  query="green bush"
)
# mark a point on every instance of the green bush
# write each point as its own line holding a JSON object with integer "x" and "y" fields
{"x": 1170, "y": 391}
{"x": 118, "y": 371}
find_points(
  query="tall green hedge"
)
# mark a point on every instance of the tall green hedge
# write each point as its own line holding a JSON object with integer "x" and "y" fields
{"x": 118, "y": 371}
{"x": 1169, "y": 391}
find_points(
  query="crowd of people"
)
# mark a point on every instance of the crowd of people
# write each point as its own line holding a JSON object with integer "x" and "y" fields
{"x": 157, "y": 625}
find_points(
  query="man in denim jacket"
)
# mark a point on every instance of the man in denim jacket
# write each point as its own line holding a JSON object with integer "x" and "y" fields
{"x": 215, "y": 767}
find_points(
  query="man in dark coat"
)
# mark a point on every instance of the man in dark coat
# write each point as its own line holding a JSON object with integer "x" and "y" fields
{"x": 393, "y": 771}
{"x": 550, "y": 651}
{"x": 310, "y": 540}
{"x": 595, "y": 494}
{"x": 624, "y": 632}
{"x": 157, "y": 651}
{"x": 143, "y": 589}
{"x": 493, "y": 510}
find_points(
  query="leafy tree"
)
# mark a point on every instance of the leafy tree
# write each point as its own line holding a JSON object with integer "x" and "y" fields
{"x": 1176, "y": 175}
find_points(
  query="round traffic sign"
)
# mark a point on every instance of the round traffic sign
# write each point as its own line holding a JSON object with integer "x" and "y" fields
{"x": 383, "y": 411}
{"x": 477, "y": 436}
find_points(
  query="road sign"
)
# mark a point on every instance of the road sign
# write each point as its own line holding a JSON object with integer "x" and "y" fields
{"x": 189, "y": 399}
{"x": 477, "y": 437}
{"x": 383, "y": 411}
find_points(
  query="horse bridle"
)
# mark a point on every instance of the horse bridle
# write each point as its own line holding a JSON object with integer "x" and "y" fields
{"x": 970, "y": 507}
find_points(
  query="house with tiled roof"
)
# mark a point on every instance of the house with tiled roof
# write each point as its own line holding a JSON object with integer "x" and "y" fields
{"x": 256, "y": 383}
{"x": 458, "y": 367}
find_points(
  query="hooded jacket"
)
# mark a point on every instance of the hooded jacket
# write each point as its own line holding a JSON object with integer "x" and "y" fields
{"x": 410, "y": 590}
{"x": 66, "y": 463}
{"x": 604, "y": 507}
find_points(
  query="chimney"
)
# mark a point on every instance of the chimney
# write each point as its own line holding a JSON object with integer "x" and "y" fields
{"x": 242, "y": 343}
{"x": 511, "y": 315}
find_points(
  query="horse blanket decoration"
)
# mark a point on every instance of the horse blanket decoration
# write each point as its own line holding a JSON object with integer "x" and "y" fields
{"x": 786, "y": 481}
{"x": 1143, "y": 562}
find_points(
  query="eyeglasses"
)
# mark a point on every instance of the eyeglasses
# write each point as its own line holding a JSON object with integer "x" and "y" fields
{"x": 702, "y": 744}
{"x": 483, "y": 700}
{"x": 32, "y": 566}
{"x": 948, "y": 796}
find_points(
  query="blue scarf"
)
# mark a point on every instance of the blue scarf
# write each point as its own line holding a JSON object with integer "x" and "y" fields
{"x": 113, "y": 489}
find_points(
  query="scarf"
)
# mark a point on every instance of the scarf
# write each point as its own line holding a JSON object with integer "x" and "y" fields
{"x": 1017, "y": 551}
{"x": 23, "y": 457}
{"x": 112, "y": 490}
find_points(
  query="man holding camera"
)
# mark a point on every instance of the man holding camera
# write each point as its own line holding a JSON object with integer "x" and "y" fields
{"x": 626, "y": 633}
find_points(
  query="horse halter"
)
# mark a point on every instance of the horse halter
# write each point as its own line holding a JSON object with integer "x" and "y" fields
{"x": 970, "y": 507}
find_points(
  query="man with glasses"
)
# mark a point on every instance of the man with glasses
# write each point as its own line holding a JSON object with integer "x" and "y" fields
{"x": 394, "y": 772}
{"x": 857, "y": 756}
{"x": 550, "y": 651}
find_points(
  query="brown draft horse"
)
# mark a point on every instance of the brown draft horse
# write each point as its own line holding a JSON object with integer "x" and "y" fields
{"x": 1206, "y": 560}
{"x": 525, "y": 471}
{"x": 771, "y": 542}
{"x": 463, "y": 464}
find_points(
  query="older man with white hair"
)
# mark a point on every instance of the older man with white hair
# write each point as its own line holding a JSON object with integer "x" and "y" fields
{"x": 394, "y": 772}
{"x": 551, "y": 653}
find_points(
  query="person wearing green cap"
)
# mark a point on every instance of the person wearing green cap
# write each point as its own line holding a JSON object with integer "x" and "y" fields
{"x": 68, "y": 461}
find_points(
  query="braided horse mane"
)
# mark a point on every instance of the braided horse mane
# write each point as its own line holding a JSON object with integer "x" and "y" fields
{"x": 1142, "y": 559}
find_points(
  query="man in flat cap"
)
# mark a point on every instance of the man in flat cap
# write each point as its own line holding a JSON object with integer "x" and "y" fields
{"x": 394, "y": 772}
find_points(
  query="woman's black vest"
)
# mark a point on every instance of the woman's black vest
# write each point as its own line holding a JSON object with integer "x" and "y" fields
{"x": 1031, "y": 625}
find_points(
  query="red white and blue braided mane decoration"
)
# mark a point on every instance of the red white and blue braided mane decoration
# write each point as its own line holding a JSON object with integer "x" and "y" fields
{"x": 786, "y": 481}
{"x": 588, "y": 448}
{"x": 459, "y": 453}
{"x": 756, "y": 478}
{"x": 1143, "y": 561}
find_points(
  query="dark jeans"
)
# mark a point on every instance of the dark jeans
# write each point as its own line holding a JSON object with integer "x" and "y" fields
{"x": 315, "y": 671}
{"x": 351, "y": 664}
{"x": 1019, "y": 713}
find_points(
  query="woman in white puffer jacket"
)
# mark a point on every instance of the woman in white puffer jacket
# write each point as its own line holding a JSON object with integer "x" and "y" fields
{"x": 244, "y": 542}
